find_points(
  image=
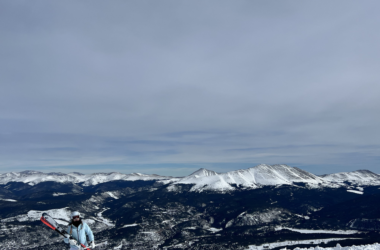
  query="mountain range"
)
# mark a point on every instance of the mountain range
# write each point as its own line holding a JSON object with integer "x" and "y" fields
{"x": 203, "y": 179}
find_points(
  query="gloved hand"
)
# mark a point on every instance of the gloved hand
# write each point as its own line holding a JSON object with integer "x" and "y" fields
{"x": 66, "y": 239}
{"x": 91, "y": 244}
{"x": 73, "y": 242}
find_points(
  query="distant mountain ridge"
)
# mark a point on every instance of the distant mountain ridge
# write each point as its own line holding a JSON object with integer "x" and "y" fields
{"x": 358, "y": 177}
{"x": 35, "y": 177}
{"x": 255, "y": 177}
{"x": 203, "y": 179}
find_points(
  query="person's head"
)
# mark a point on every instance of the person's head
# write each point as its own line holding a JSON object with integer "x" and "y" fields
{"x": 75, "y": 217}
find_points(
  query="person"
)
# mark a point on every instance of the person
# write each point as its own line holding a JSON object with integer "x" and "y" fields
{"x": 78, "y": 229}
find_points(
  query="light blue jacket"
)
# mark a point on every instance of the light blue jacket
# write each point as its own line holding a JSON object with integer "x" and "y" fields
{"x": 79, "y": 233}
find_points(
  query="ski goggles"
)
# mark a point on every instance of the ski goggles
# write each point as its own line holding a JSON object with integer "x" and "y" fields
{"x": 76, "y": 217}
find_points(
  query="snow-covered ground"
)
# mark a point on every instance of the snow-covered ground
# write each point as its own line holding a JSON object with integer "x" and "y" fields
{"x": 214, "y": 230}
{"x": 130, "y": 225}
{"x": 118, "y": 247}
{"x": 309, "y": 231}
{"x": 355, "y": 191}
{"x": 59, "y": 194}
{"x": 112, "y": 195}
{"x": 104, "y": 220}
{"x": 299, "y": 242}
{"x": 10, "y": 200}
{"x": 62, "y": 216}
{"x": 375, "y": 246}
{"x": 305, "y": 217}
{"x": 359, "y": 177}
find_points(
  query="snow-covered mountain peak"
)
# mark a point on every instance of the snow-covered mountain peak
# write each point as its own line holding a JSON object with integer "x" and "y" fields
{"x": 76, "y": 173}
{"x": 140, "y": 174}
{"x": 29, "y": 172}
{"x": 283, "y": 174}
{"x": 263, "y": 166}
{"x": 137, "y": 174}
{"x": 12, "y": 174}
{"x": 203, "y": 172}
{"x": 365, "y": 172}
{"x": 361, "y": 177}
{"x": 202, "y": 177}
{"x": 55, "y": 173}
{"x": 248, "y": 178}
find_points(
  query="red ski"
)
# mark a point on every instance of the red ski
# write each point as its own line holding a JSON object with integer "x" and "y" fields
{"x": 50, "y": 222}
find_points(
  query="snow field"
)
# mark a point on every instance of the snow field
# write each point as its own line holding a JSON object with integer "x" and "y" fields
{"x": 118, "y": 247}
{"x": 112, "y": 195}
{"x": 375, "y": 246}
{"x": 308, "y": 231}
{"x": 10, "y": 200}
{"x": 104, "y": 220}
{"x": 61, "y": 215}
{"x": 355, "y": 191}
{"x": 214, "y": 230}
{"x": 59, "y": 194}
{"x": 129, "y": 225}
{"x": 300, "y": 242}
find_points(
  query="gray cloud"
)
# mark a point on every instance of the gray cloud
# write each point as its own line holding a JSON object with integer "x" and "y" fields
{"x": 218, "y": 83}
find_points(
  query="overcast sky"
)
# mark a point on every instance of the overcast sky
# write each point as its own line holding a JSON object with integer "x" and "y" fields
{"x": 168, "y": 87}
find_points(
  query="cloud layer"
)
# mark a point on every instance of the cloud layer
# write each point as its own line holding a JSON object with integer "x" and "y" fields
{"x": 163, "y": 86}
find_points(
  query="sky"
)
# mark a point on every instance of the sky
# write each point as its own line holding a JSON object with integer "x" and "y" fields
{"x": 168, "y": 87}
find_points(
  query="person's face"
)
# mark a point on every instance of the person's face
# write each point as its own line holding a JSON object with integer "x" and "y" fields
{"x": 76, "y": 218}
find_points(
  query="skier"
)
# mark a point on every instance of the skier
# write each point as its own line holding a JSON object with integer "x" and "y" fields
{"x": 78, "y": 230}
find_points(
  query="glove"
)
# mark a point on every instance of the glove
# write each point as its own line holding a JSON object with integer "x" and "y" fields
{"x": 66, "y": 239}
{"x": 73, "y": 242}
{"x": 91, "y": 244}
